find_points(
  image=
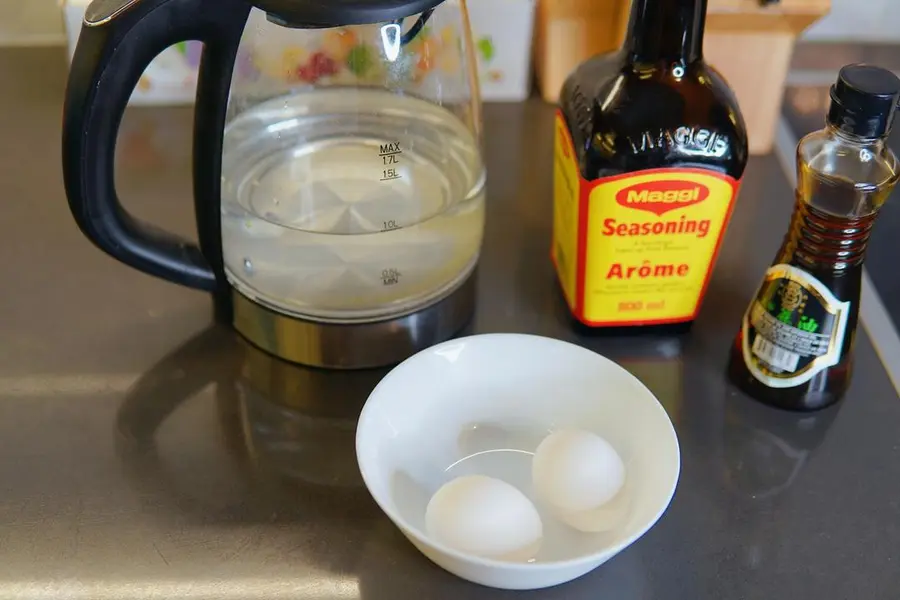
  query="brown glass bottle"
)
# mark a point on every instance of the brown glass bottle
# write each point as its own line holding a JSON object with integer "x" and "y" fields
{"x": 654, "y": 105}
{"x": 795, "y": 346}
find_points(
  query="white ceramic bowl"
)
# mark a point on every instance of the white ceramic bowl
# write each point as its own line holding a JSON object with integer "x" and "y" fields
{"x": 482, "y": 405}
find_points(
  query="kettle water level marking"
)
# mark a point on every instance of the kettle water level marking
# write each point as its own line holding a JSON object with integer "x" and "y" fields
{"x": 390, "y": 276}
{"x": 390, "y": 155}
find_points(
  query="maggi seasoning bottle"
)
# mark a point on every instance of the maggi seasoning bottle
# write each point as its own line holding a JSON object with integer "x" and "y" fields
{"x": 650, "y": 151}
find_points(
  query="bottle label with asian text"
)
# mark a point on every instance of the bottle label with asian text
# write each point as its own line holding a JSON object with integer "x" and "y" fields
{"x": 638, "y": 248}
{"x": 793, "y": 329}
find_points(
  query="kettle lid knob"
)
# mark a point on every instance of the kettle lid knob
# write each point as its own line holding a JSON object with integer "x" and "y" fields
{"x": 337, "y": 13}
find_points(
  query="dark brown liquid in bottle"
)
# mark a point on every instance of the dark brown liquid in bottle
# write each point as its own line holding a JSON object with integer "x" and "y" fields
{"x": 832, "y": 250}
{"x": 655, "y": 104}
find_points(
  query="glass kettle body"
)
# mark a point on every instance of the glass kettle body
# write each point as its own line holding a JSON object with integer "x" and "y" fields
{"x": 339, "y": 186}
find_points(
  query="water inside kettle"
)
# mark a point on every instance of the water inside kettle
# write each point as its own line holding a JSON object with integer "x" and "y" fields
{"x": 350, "y": 203}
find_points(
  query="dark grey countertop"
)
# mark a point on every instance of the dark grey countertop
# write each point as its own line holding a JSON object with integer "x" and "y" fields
{"x": 136, "y": 461}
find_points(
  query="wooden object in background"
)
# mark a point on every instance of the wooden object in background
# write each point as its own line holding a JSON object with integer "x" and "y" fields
{"x": 569, "y": 31}
{"x": 750, "y": 45}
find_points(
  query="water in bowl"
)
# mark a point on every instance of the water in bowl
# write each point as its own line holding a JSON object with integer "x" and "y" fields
{"x": 504, "y": 452}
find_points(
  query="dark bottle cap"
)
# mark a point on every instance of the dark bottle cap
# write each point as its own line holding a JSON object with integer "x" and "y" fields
{"x": 864, "y": 100}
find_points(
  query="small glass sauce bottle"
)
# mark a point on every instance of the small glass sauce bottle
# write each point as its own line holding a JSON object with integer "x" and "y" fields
{"x": 795, "y": 347}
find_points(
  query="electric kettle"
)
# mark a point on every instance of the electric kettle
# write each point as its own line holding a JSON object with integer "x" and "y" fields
{"x": 339, "y": 184}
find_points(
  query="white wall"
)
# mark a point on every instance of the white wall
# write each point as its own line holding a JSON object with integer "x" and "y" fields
{"x": 30, "y": 22}
{"x": 859, "y": 20}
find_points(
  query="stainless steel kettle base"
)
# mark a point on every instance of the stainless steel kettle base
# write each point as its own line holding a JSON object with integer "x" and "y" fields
{"x": 355, "y": 346}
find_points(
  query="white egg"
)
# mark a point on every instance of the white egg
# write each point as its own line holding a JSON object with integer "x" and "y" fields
{"x": 577, "y": 470}
{"x": 484, "y": 517}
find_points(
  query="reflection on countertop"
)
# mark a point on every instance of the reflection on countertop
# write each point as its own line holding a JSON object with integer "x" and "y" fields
{"x": 762, "y": 458}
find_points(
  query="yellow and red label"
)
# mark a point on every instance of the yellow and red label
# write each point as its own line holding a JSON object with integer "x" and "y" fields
{"x": 638, "y": 248}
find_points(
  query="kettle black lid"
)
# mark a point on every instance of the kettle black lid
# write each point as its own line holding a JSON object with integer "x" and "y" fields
{"x": 864, "y": 100}
{"x": 335, "y": 13}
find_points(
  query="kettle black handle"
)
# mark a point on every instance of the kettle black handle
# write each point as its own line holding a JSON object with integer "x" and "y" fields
{"x": 118, "y": 40}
